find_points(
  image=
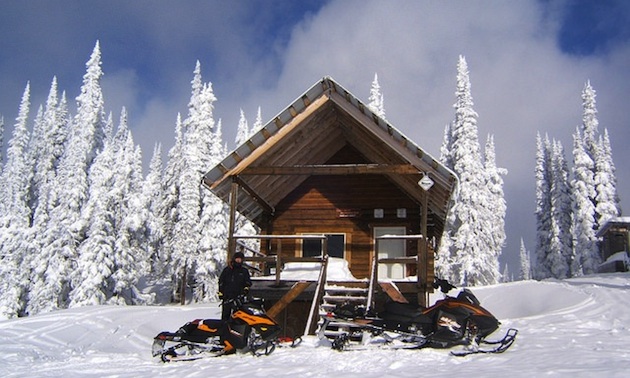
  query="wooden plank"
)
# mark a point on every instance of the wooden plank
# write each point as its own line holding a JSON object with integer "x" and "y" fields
{"x": 333, "y": 169}
{"x": 393, "y": 292}
{"x": 293, "y": 293}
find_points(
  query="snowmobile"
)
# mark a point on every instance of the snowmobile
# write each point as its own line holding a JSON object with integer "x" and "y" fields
{"x": 450, "y": 322}
{"x": 249, "y": 329}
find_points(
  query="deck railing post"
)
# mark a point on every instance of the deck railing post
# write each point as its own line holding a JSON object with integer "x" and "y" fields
{"x": 278, "y": 262}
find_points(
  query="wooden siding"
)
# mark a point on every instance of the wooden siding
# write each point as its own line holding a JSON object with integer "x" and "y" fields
{"x": 345, "y": 204}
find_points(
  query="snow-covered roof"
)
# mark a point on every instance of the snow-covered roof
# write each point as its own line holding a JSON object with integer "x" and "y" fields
{"x": 613, "y": 222}
{"x": 319, "y": 123}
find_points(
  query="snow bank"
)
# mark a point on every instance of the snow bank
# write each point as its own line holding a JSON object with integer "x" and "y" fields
{"x": 337, "y": 270}
{"x": 571, "y": 328}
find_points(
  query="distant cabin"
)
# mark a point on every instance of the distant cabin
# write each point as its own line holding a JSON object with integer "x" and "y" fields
{"x": 328, "y": 180}
{"x": 614, "y": 245}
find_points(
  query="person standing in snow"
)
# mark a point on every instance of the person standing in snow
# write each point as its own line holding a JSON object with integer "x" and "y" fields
{"x": 233, "y": 282}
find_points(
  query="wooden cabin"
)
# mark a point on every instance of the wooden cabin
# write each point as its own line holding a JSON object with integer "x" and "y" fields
{"x": 614, "y": 246}
{"x": 327, "y": 178}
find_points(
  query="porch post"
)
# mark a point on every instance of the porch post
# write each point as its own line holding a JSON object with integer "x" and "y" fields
{"x": 423, "y": 268}
{"x": 231, "y": 247}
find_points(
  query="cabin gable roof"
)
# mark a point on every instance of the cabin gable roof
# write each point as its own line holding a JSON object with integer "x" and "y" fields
{"x": 299, "y": 141}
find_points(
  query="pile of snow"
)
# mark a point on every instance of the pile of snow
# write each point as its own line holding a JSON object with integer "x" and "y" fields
{"x": 619, "y": 256}
{"x": 337, "y": 270}
{"x": 574, "y": 328}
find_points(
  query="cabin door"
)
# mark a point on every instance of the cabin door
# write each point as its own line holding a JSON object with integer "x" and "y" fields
{"x": 388, "y": 249}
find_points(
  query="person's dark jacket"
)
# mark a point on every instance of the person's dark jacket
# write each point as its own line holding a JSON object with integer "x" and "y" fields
{"x": 233, "y": 281}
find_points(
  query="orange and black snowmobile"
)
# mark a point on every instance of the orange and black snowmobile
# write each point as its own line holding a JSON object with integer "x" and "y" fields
{"x": 249, "y": 329}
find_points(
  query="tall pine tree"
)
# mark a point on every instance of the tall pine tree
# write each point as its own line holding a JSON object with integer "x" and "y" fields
{"x": 586, "y": 252}
{"x": 15, "y": 217}
{"x": 525, "y": 272}
{"x": 469, "y": 219}
{"x": 605, "y": 183}
{"x": 497, "y": 206}
{"x": 376, "y": 99}
{"x": 543, "y": 212}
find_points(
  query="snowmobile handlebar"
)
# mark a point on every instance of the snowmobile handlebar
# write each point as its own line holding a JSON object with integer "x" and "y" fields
{"x": 443, "y": 285}
{"x": 238, "y": 301}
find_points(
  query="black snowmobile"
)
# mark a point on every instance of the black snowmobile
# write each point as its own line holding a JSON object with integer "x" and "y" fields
{"x": 248, "y": 329}
{"x": 450, "y": 322}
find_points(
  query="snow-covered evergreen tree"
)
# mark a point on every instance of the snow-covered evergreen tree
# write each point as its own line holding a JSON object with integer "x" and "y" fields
{"x": 605, "y": 183}
{"x": 258, "y": 123}
{"x": 131, "y": 258}
{"x": 17, "y": 173}
{"x": 554, "y": 214}
{"x": 15, "y": 217}
{"x": 185, "y": 233}
{"x": 66, "y": 229}
{"x": 46, "y": 153}
{"x": 525, "y": 272}
{"x": 444, "y": 263}
{"x": 506, "y": 276}
{"x": 194, "y": 222}
{"x": 47, "y": 144}
{"x": 168, "y": 208}
{"x": 599, "y": 150}
{"x": 242, "y": 130}
{"x": 153, "y": 196}
{"x": 446, "y": 148}
{"x": 92, "y": 281}
{"x": 589, "y": 121}
{"x": 242, "y": 225}
{"x": 497, "y": 206}
{"x": 376, "y": 99}
{"x": 543, "y": 211}
{"x": 469, "y": 218}
{"x": 212, "y": 226}
{"x": 586, "y": 252}
{"x": 560, "y": 255}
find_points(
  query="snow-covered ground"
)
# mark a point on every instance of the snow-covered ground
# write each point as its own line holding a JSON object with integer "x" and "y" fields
{"x": 578, "y": 328}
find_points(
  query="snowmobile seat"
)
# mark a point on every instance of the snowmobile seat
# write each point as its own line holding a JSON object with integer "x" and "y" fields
{"x": 404, "y": 312}
{"x": 406, "y": 309}
{"x": 199, "y": 331}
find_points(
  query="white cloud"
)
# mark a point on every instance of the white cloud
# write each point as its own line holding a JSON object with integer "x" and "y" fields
{"x": 521, "y": 82}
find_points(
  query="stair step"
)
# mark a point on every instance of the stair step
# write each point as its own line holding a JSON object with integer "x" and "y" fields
{"x": 344, "y": 298}
{"x": 344, "y": 289}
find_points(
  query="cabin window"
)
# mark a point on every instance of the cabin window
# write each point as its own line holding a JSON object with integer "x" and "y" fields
{"x": 336, "y": 246}
{"x": 390, "y": 249}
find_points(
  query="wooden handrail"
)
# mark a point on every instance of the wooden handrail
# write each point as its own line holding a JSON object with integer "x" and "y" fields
{"x": 319, "y": 293}
{"x": 373, "y": 278}
{"x": 268, "y": 237}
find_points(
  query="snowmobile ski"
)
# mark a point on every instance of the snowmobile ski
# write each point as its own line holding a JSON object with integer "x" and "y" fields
{"x": 343, "y": 343}
{"x": 500, "y": 345}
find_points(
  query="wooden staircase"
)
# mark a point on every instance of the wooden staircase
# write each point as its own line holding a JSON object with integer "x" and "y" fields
{"x": 339, "y": 294}
{"x": 330, "y": 294}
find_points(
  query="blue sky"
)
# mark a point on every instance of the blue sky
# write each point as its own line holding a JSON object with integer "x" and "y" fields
{"x": 528, "y": 61}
